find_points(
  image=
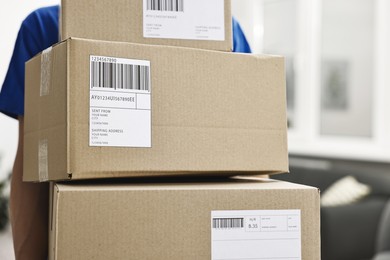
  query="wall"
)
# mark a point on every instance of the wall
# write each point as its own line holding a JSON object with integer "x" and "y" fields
{"x": 356, "y": 50}
{"x": 347, "y": 36}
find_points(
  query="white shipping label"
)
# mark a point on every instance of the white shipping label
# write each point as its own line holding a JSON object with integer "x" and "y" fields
{"x": 184, "y": 19}
{"x": 256, "y": 234}
{"x": 120, "y": 102}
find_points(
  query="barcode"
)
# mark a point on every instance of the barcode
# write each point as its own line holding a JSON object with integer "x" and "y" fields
{"x": 228, "y": 222}
{"x": 165, "y": 5}
{"x": 120, "y": 76}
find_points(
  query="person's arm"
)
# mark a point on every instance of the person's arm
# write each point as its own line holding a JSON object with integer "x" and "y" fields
{"x": 18, "y": 164}
{"x": 29, "y": 210}
{"x": 28, "y": 201}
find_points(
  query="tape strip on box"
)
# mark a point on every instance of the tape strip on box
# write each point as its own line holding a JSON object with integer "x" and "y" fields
{"x": 46, "y": 60}
{"x": 43, "y": 167}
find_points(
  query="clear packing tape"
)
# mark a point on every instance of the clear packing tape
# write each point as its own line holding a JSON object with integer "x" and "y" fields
{"x": 46, "y": 61}
{"x": 46, "y": 64}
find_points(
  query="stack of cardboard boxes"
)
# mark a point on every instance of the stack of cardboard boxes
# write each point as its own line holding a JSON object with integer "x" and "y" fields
{"x": 150, "y": 89}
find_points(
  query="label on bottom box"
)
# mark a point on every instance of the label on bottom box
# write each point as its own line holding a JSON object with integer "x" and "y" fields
{"x": 120, "y": 102}
{"x": 256, "y": 234}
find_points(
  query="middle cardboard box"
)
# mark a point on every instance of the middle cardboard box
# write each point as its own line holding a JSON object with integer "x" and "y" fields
{"x": 99, "y": 109}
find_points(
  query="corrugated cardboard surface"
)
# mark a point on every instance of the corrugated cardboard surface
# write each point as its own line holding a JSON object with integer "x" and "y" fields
{"x": 122, "y": 20}
{"x": 166, "y": 221}
{"x": 212, "y": 113}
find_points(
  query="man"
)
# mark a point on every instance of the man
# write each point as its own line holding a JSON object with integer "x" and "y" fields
{"x": 29, "y": 201}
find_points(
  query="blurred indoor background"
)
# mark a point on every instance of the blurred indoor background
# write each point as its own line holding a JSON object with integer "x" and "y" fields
{"x": 337, "y": 61}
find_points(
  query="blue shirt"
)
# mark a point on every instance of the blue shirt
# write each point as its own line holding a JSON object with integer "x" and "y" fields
{"x": 37, "y": 32}
{"x": 40, "y": 31}
{"x": 240, "y": 44}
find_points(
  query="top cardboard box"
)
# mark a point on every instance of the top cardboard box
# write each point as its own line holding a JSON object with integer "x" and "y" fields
{"x": 200, "y": 24}
{"x": 99, "y": 109}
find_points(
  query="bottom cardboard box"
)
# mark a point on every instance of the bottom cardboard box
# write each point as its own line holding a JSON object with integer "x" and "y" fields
{"x": 241, "y": 218}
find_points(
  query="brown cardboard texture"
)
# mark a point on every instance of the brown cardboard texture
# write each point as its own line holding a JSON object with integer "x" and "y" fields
{"x": 125, "y": 21}
{"x": 174, "y": 220}
{"x": 209, "y": 113}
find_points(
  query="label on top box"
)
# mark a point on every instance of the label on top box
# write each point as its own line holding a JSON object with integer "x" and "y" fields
{"x": 256, "y": 234}
{"x": 120, "y": 102}
{"x": 184, "y": 19}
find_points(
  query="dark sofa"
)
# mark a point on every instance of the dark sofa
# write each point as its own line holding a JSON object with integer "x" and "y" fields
{"x": 357, "y": 231}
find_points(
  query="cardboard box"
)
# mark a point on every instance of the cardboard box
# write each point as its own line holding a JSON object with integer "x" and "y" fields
{"x": 170, "y": 111}
{"x": 242, "y": 219}
{"x": 198, "y": 24}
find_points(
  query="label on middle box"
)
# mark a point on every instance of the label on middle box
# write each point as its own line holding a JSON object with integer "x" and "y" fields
{"x": 184, "y": 19}
{"x": 120, "y": 102}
